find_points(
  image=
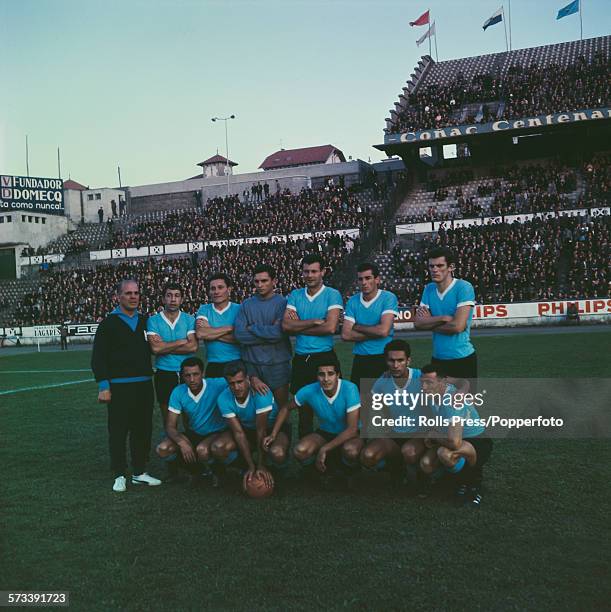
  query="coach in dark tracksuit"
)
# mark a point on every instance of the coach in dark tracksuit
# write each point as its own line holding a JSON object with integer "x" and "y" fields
{"x": 121, "y": 363}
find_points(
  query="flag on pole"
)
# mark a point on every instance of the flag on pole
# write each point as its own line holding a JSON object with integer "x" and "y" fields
{"x": 422, "y": 20}
{"x": 430, "y": 32}
{"x": 496, "y": 18}
{"x": 569, "y": 9}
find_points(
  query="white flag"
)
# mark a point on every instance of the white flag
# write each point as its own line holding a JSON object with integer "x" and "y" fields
{"x": 430, "y": 32}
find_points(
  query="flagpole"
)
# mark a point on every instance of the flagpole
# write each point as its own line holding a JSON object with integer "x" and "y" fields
{"x": 430, "y": 51}
{"x": 510, "y": 42}
{"x": 505, "y": 26}
{"x": 436, "y": 54}
{"x": 580, "y": 21}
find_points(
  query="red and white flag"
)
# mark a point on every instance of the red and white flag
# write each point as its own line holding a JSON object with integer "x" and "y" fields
{"x": 430, "y": 32}
{"x": 422, "y": 20}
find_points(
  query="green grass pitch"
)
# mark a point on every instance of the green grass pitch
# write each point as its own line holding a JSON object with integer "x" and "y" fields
{"x": 537, "y": 542}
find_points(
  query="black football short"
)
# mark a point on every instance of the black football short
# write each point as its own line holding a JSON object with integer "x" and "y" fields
{"x": 165, "y": 382}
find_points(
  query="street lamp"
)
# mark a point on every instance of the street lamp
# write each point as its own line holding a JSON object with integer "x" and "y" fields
{"x": 225, "y": 119}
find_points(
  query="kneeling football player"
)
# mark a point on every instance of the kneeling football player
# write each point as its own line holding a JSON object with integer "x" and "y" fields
{"x": 250, "y": 417}
{"x": 336, "y": 403}
{"x": 197, "y": 399}
{"x": 459, "y": 447}
{"x": 402, "y": 449}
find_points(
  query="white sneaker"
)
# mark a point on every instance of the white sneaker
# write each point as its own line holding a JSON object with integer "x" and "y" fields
{"x": 120, "y": 485}
{"x": 146, "y": 479}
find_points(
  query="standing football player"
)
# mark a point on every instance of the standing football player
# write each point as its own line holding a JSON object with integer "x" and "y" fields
{"x": 265, "y": 348}
{"x": 446, "y": 309}
{"x": 369, "y": 323}
{"x": 312, "y": 315}
{"x": 215, "y": 322}
{"x": 171, "y": 337}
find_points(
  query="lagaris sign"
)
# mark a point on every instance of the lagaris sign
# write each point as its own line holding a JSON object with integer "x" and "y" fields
{"x": 50, "y": 331}
{"x": 32, "y": 194}
{"x": 499, "y": 126}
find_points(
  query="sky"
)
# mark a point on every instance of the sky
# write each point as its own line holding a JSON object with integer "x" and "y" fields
{"x": 135, "y": 83}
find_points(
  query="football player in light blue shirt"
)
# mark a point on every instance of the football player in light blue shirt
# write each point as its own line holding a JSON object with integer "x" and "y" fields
{"x": 446, "y": 309}
{"x": 369, "y": 323}
{"x": 215, "y": 322}
{"x": 403, "y": 384}
{"x": 171, "y": 337}
{"x": 312, "y": 315}
{"x": 458, "y": 446}
{"x": 251, "y": 418}
{"x": 196, "y": 399}
{"x": 336, "y": 403}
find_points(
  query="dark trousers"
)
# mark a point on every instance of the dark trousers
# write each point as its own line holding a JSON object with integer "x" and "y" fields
{"x": 304, "y": 372}
{"x": 130, "y": 412}
{"x": 367, "y": 366}
{"x": 64, "y": 343}
{"x": 460, "y": 368}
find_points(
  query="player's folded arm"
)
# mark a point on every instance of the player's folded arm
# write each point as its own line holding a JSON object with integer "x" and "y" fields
{"x": 349, "y": 334}
{"x": 242, "y": 332}
{"x": 191, "y": 345}
{"x": 459, "y": 321}
{"x": 330, "y": 324}
{"x": 294, "y": 326}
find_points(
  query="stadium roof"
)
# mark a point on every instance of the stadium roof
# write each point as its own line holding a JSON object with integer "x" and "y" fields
{"x": 70, "y": 184}
{"x": 300, "y": 157}
{"x": 217, "y": 159}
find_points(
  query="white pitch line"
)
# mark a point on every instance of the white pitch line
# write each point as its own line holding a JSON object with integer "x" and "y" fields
{"x": 41, "y": 371}
{"x": 64, "y": 384}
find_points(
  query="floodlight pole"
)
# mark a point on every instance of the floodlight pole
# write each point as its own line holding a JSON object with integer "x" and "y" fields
{"x": 225, "y": 119}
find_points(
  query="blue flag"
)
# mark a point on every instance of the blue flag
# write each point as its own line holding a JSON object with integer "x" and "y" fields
{"x": 496, "y": 18}
{"x": 569, "y": 9}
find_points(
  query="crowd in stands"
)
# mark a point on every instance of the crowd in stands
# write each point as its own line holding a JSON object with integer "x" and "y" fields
{"x": 87, "y": 294}
{"x": 518, "y": 190}
{"x": 561, "y": 258}
{"x": 280, "y": 213}
{"x": 524, "y": 91}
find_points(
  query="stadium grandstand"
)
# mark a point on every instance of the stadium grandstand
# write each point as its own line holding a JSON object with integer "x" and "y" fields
{"x": 512, "y": 85}
{"x": 500, "y": 157}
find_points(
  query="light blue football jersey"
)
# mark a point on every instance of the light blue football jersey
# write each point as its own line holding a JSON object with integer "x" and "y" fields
{"x": 459, "y": 293}
{"x": 160, "y": 325}
{"x": 447, "y": 410}
{"x": 247, "y": 412}
{"x": 202, "y": 410}
{"x": 314, "y": 307}
{"x": 386, "y": 384}
{"x": 370, "y": 313}
{"x": 331, "y": 411}
{"x": 217, "y": 351}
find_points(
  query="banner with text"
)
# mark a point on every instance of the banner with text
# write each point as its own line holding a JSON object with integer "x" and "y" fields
{"x": 502, "y": 125}
{"x": 32, "y": 194}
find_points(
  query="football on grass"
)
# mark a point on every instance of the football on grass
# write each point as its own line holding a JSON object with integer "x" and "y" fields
{"x": 256, "y": 487}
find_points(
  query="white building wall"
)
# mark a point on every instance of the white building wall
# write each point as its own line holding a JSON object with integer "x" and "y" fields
{"x": 30, "y": 228}
{"x": 287, "y": 177}
{"x": 94, "y": 198}
{"x": 72, "y": 205}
